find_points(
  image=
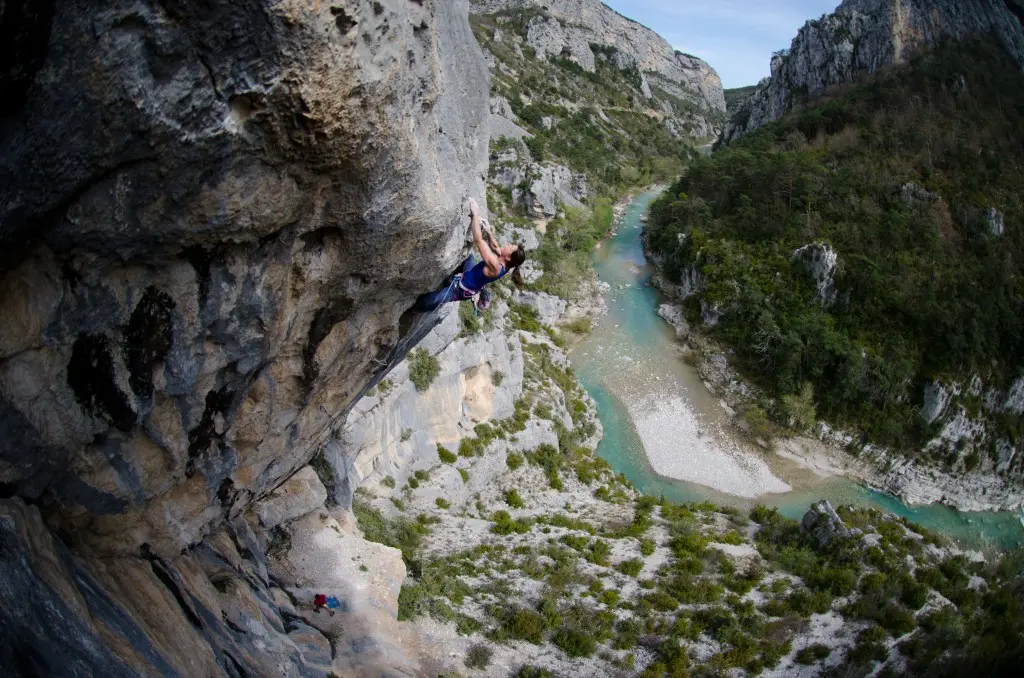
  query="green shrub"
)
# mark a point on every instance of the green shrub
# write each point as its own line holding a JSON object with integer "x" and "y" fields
{"x": 446, "y": 455}
{"x": 514, "y": 460}
{"x": 812, "y": 654}
{"x": 401, "y": 533}
{"x": 470, "y": 447}
{"x": 513, "y": 499}
{"x": 478, "y": 656}
{"x": 630, "y": 567}
{"x": 609, "y": 597}
{"x": 574, "y": 642}
{"x": 423, "y": 369}
{"x": 580, "y": 326}
{"x": 757, "y": 421}
{"x": 647, "y": 546}
{"x": 660, "y": 600}
{"x": 522, "y": 623}
{"x": 443, "y": 503}
{"x": 388, "y": 481}
{"x": 503, "y": 524}
{"x": 465, "y": 475}
{"x": 524, "y": 318}
{"x": 533, "y": 672}
{"x": 497, "y": 378}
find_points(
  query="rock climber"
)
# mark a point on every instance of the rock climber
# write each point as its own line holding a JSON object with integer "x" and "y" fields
{"x": 469, "y": 281}
{"x": 322, "y": 601}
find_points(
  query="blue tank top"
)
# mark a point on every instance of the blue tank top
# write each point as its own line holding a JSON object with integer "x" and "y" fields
{"x": 475, "y": 278}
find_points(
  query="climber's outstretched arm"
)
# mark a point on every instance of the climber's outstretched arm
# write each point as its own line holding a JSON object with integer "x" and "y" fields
{"x": 492, "y": 241}
{"x": 488, "y": 255}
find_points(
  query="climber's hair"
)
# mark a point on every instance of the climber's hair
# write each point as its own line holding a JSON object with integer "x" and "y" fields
{"x": 516, "y": 260}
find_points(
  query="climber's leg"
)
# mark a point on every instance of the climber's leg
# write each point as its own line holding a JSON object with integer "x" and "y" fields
{"x": 431, "y": 300}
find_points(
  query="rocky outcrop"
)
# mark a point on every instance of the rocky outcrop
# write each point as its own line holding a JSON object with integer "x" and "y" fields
{"x": 542, "y": 188}
{"x": 819, "y": 260}
{"x": 823, "y": 525}
{"x": 503, "y": 122}
{"x": 568, "y": 28}
{"x": 216, "y": 219}
{"x": 862, "y": 37}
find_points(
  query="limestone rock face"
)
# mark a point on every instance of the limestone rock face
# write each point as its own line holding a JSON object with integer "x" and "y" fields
{"x": 216, "y": 218}
{"x": 542, "y": 187}
{"x": 549, "y": 308}
{"x": 567, "y": 28}
{"x": 397, "y": 432}
{"x": 295, "y": 497}
{"x": 862, "y": 37}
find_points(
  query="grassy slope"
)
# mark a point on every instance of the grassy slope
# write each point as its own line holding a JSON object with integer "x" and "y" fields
{"x": 924, "y": 290}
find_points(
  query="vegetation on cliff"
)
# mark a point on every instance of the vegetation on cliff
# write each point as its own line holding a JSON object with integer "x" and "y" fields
{"x": 599, "y": 123}
{"x": 914, "y": 179}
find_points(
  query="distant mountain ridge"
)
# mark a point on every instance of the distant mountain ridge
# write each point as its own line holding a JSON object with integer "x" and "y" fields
{"x": 568, "y": 28}
{"x": 864, "y": 36}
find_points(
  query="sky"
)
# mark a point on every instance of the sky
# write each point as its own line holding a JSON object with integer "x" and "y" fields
{"x": 737, "y": 37}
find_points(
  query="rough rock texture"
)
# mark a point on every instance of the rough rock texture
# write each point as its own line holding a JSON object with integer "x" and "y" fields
{"x": 295, "y": 497}
{"x": 567, "y": 28}
{"x": 217, "y": 244}
{"x": 215, "y": 220}
{"x": 820, "y": 261}
{"x": 503, "y": 122}
{"x": 863, "y": 36}
{"x": 397, "y": 432}
{"x": 542, "y": 188}
{"x": 823, "y": 524}
{"x": 995, "y": 221}
{"x": 549, "y": 308}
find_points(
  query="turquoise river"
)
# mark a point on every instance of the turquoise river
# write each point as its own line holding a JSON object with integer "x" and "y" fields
{"x": 657, "y": 412}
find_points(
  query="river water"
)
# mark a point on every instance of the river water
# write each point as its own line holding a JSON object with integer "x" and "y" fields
{"x": 669, "y": 435}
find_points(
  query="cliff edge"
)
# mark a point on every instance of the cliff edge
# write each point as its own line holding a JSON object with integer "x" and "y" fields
{"x": 863, "y": 37}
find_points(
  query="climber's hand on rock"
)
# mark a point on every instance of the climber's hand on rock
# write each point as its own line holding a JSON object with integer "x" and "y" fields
{"x": 473, "y": 208}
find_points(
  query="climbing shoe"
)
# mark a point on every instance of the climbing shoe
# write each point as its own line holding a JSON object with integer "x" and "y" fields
{"x": 483, "y": 300}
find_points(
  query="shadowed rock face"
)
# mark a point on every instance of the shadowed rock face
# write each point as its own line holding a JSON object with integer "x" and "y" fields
{"x": 215, "y": 218}
{"x": 864, "y": 36}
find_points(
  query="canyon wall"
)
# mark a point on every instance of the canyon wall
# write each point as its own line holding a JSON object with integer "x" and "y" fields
{"x": 865, "y": 36}
{"x": 216, "y": 219}
{"x": 573, "y": 29}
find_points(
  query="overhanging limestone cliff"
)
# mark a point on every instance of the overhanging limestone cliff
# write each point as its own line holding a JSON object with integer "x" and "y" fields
{"x": 214, "y": 217}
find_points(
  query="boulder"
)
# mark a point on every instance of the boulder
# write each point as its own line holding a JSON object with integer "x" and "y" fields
{"x": 549, "y": 308}
{"x": 823, "y": 525}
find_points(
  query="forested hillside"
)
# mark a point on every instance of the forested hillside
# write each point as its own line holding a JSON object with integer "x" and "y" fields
{"x": 905, "y": 194}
